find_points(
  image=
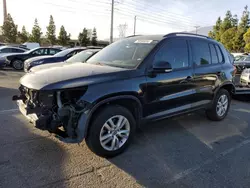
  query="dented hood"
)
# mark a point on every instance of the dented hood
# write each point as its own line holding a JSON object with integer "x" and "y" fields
{"x": 69, "y": 76}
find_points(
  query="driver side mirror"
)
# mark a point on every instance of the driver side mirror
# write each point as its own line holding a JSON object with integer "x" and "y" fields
{"x": 162, "y": 67}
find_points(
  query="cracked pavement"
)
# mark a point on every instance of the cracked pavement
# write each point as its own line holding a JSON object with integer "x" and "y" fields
{"x": 186, "y": 151}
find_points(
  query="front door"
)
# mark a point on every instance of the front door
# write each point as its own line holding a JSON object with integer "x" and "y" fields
{"x": 170, "y": 92}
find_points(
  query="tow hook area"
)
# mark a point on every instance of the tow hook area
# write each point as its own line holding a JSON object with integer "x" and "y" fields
{"x": 16, "y": 97}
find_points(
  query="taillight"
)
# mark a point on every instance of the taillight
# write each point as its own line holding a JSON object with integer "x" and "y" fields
{"x": 235, "y": 71}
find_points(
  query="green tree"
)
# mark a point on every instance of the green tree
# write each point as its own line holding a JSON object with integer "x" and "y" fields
{"x": 36, "y": 33}
{"x": 227, "y": 22}
{"x": 235, "y": 21}
{"x": 84, "y": 38}
{"x": 242, "y": 29}
{"x": 215, "y": 34}
{"x": 23, "y": 36}
{"x": 51, "y": 31}
{"x": 247, "y": 40}
{"x": 227, "y": 38}
{"x": 64, "y": 37}
{"x": 9, "y": 30}
{"x": 94, "y": 37}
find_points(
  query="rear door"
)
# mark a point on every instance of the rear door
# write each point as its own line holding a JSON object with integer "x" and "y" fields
{"x": 207, "y": 62}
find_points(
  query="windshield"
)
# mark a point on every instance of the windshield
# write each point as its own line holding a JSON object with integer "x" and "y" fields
{"x": 80, "y": 57}
{"x": 240, "y": 58}
{"x": 63, "y": 53}
{"x": 127, "y": 53}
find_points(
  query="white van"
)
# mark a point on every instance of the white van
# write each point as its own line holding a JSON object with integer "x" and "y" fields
{"x": 31, "y": 45}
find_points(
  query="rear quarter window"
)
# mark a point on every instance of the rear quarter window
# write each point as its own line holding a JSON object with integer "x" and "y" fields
{"x": 219, "y": 53}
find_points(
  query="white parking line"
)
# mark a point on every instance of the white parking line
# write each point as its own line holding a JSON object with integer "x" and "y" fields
{"x": 8, "y": 111}
{"x": 220, "y": 156}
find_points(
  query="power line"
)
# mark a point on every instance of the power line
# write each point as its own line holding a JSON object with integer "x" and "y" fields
{"x": 152, "y": 18}
{"x": 157, "y": 8}
{"x": 155, "y": 12}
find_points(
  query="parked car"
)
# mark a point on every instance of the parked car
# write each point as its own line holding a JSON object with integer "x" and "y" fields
{"x": 59, "y": 57}
{"x": 242, "y": 63}
{"x": 245, "y": 78}
{"x": 4, "y": 50}
{"x": 16, "y": 60}
{"x": 31, "y": 45}
{"x": 80, "y": 57}
{"x": 132, "y": 81}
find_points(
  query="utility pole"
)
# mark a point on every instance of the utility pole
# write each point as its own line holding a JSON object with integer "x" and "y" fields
{"x": 112, "y": 22}
{"x": 196, "y": 28}
{"x": 4, "y": 10}
{"x": 134, "y": 25}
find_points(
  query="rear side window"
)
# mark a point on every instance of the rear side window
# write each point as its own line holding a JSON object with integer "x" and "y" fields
{"x": 6, "y": 50}
{"x": 218, "y": 50}
{"x": 201, "y": 53}
{"x": 52, "y": 51}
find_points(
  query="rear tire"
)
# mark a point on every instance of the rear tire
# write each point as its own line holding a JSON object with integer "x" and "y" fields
{"x": 17, "y": 64}
{"x": 220, "y": 106}
{"x": 117, "y": 139}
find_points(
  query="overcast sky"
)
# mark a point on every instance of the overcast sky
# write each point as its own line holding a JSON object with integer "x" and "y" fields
{"x": 154, "y": 16}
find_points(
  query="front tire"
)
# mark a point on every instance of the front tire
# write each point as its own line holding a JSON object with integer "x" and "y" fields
{"x": 111, "y": 132}
{"x": 220, "y": 106}
{"x": 17, "y": 64}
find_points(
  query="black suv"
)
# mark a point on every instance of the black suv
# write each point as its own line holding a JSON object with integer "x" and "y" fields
{"x": 130, "y": 82}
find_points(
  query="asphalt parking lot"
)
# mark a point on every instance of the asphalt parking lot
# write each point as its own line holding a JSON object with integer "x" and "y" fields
{"x": 188, "y": 151}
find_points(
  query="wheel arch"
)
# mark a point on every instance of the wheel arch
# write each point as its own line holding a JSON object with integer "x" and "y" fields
{"x": 132, "y": 103}
{"x": 229, "y": 86}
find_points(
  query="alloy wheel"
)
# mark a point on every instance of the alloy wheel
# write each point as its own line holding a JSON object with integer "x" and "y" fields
{"x": 114, "y": 133}
{"x": 222, "y": 105}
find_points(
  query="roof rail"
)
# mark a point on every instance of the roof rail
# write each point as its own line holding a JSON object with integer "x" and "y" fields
{"x": 132, "y": 36}
{"x": 186, "y": 33}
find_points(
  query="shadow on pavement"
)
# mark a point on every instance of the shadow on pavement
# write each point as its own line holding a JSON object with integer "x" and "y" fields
{"x": 168, "y": 149}
{"x": 28, "y": 157}
{"x": 6, "y": 98}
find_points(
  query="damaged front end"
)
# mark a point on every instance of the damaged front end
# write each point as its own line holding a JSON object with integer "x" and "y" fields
{"x": 55, "y": 111}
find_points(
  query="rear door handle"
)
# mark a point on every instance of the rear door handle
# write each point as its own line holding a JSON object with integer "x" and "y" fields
{"x": 218, "y": 73}
{"x": 189, "y": 78}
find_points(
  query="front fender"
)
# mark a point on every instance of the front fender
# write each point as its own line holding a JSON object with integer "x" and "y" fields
{"x": 84, "y": 120}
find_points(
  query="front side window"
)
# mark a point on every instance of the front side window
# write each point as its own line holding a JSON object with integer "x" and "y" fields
{"x": 17, "y": 50}
{"x": 201, "y": 53}
{"x": 126, "y": 53}
{"x": 175, "y": 52}
{"x": 247, "y": 59}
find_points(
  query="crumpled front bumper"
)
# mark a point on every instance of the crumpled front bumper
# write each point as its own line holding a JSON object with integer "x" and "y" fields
{"x": 23, "y": 109}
